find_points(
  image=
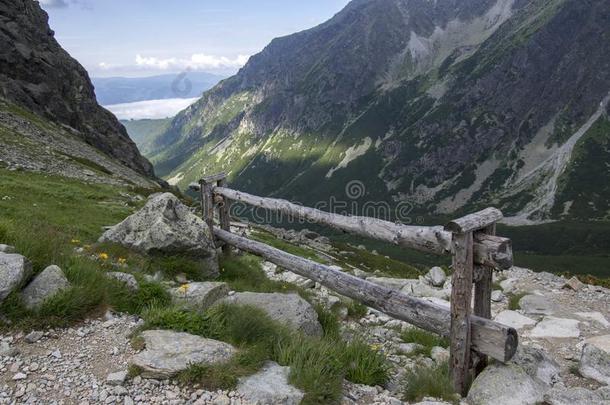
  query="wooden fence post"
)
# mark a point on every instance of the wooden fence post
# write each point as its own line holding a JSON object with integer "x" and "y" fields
{"x": 207, "y": 205}
{"x": 225, "y": 215}
{"x": 461, "y": 292}
{"x": 483, "y": 276}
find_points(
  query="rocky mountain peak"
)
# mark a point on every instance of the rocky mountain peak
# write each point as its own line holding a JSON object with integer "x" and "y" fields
{"x": 38, "y": 75}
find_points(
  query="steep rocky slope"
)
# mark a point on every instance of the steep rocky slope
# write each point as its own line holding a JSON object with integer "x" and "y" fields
{"x": 445, "y": 104}
{"x": 37, "y": 76}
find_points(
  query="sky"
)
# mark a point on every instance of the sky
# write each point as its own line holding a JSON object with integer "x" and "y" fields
{"x": 146, "y": 37}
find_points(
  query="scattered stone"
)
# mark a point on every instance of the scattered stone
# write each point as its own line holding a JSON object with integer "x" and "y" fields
{"x": 165, "y": 225}
{"x": 128, "y": 279}
{"x": 574, "y": 284}
{"x": 514, "y": 319}
{"x": 573, "y": 396}
{"x": 509, "y": 285}
{"x": 595, "y": 359}
{"x": 7, "y": 350}
{"x": 497, "y": 296}
{"x": 270, "y": 386}
{"x": 47, "y": 284}
{"x": 595, "y": 317}
{"x": 56, "y": 354}
{"x": 117, "y": 378}
{"x": 436, "y": 276}
{"x": 14, "y": 272}
{"x": 289, "y": 309}
{"x": 19, "y": 377}
{"x": 167, "y": 353}
{"x": 199, "y": 296}
{"x": 417, "y": 288}
{"x": 439, "y": 354}
{"x": 536, "y": 305}
{"x": 408, "y": 348}
{"x": 551, "y": 327}
{"x": 33, "y": 336}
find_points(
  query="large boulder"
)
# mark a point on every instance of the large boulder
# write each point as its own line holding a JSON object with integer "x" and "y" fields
{"x": 167, "y": 353}
{"x": 522, "y": 381}
{"x": 47, "y": 284}
{"x": 289, "y": 309}
{"x": 14, "y": 272}
{"x": 574, "y": 396}
{"x": 269, "y": 387}
{"x": 595, "y": 359}
{"x": 199, "y": 296}
{"x": 436, "y": 276}
{"x": 166, "y": 226}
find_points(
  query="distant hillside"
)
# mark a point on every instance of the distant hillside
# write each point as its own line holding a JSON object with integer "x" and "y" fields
{"x": 145, "y": 132}
{"x": 119, "y": 90}
{"x": 449, "y": 105}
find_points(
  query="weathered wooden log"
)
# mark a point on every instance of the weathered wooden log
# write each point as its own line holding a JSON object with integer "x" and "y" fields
{"x": 461, "y": 295}
{"x": 423, "y": 238}
{"x": 214, "y": 178}
{"x": 207, "y": 204}
{"x": 475, "y": 222}
{"x": 482, "y": 294}
{"x": 488, "y": 337}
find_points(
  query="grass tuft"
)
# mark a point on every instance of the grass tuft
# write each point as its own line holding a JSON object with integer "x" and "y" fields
{"x": 426, "y": 339}
{"x": 513, "y": 301}
{"x": 429, "y": 382}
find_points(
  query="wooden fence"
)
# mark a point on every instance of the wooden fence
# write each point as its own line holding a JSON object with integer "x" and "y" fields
{"x": 471, "y": 241}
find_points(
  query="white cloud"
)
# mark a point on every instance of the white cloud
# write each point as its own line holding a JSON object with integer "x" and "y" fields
{"x": 53, "y": 3}
{"x": 151, "y": 109}
{"x": 197, "y": 61}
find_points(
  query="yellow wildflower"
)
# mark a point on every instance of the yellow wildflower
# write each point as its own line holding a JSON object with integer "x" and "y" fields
{"x": 87, "y": 247}
{"x": 75, "y": 241}
{"x": 183, "y": 288}
{"x": 122, "y": 260}
{"x": 103, "y": 256}
{"x": 375, "y": 347}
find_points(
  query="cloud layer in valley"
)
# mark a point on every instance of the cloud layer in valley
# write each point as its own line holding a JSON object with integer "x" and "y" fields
{"x": 151, "y": 109}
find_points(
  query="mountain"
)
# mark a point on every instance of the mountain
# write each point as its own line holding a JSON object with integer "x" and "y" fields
{"x": 448, "y": 105}
{"x": 144, "y": 132}
{"x": 49, "y": 117}
{"x": 118, "y": 90}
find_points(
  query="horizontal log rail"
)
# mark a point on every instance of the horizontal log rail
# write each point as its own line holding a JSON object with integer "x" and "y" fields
{"x": 471, "y": 241}
{"x": 489, "y": 250}
{"x": 488, "y": 337}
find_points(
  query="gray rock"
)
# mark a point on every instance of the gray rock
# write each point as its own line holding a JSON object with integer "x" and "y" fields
{"x": 199, "y": 296}
{"x": 436, "y": 276}
{"x": 6, "y": 249}
{"x": 166, "y": 226}
{"x": 497, "y": 296}
{"x": 573, "y": 396}
{"x": 167, "y": 353}
{"x": 408, "y": 348}
{"x": 289, "y": 309}
{"x": 595, "y": 361}
{"x": 551, "y": 327}
{"x": 439, "y": 354}
{"x": 269, "y": 387}
{"x": 536, "y": 305}
{"x": 507, "y": 385}
{"x": 128, "y": 279}
{"x": 34, "y": 336}
{"x": 7, "y": 350}
{"x": 417, "y": 288}
{"x": 522, "y": 381}
{"x": 117, "y": 378}
{"x": 47, "y": 284}
{"x": 14, "y": 272}
{"x": 514, "y": 319}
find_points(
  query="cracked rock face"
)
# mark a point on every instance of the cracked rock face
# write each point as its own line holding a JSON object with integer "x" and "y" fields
{"x": 166, "y": 226}
{"x": 167, "y": 353}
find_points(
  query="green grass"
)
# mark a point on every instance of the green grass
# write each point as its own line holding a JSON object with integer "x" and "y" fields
{"x": 429, "y": 382}
{"x": 318, "y": 365}
{"x": 513, "y": 301}
{"x": 426, "y": 339}
{"x": 266, "y": 237}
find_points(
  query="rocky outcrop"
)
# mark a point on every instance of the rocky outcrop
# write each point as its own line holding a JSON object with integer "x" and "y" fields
{"x": 166, "y": 226}
{"x": 47, "y": 284}
{"x": 167, "y": 353}
{"x": 14, "y": 272}
{"x": 38, "y": 75}
{"x": 269, "y": 386}
{"x": 199, "y": 296}
{"x": 289, "y": 309}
